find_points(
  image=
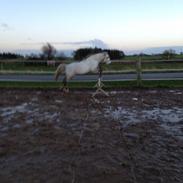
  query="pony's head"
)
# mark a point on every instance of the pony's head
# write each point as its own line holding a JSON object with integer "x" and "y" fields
{"x": 106, "y": 59}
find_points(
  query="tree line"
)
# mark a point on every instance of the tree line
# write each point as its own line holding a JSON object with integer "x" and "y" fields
{"x": 84, "y": 52}
{"x": 48, "y": 52}
{"x": 9, "y": 55}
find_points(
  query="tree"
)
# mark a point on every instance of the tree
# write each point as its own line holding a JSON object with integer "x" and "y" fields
{"x": 168, "y": 54}
{"x": 49, "y": 51}
{"x": 115, "y": 54}
{"x": 84, "y": 52}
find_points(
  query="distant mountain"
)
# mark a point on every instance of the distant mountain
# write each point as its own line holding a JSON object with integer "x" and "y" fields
{"x": 155, "y": 50}
{"x": 68, "y": 53}
{"x": 26, "y": 51}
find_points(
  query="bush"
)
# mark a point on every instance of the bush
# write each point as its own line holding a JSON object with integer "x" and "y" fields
{"x": 168, "y": 54}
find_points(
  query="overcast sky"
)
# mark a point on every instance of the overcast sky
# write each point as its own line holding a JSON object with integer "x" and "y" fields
{"x": 122, "y": 24}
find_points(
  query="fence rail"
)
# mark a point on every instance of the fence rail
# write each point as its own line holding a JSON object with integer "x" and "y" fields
{"x": 138, "y": 66}
{"x": 68, "y": 61}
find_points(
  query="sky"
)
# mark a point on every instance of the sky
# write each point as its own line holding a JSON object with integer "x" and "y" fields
{"x": 70, "y": 24}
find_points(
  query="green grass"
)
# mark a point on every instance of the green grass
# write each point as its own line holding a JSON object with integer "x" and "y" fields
{"x": 113, "y": 66}
{"x": 119, "y": 66}
{"x": 145, "y": 66}
{"x": 45, "y": 85}
{"x": 22, "y": 67}
{"x": 153, "y": 66}
{"x": 90, "y": 85}
{"x": 150, "y": 57}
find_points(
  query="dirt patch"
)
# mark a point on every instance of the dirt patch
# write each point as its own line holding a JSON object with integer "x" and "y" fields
{"x": 131, "y": 136}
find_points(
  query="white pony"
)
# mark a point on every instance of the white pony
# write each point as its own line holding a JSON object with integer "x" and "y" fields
{"x": 90, "y": 64}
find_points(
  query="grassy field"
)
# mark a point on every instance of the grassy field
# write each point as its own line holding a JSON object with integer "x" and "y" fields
{"x": 145, "y": 66}
{"x": 151, "y": 57}
{"x": 115, "y": 66}
{"x": 90, "y": 85}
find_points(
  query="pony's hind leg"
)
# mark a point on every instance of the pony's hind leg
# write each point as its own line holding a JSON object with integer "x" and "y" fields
{"x": 64, "y": 84}
{"x": 65, "y": 88}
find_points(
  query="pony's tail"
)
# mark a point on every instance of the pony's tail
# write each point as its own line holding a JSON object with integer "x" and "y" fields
{"x": 60, "y": 70}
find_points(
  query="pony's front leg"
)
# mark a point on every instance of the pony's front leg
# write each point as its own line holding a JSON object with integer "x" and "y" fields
{"x": 99, "y": 82}
{"x": 65, "y": 88}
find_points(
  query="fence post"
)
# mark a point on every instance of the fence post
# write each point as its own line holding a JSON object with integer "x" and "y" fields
{"x": 139, "y": 71}
{"x": 1, "y": 66}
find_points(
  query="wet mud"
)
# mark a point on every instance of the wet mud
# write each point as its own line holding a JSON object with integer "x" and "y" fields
{"x": 132, "y": 136}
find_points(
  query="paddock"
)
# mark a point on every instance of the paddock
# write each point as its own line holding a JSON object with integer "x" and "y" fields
{"x": 131, "y": 136}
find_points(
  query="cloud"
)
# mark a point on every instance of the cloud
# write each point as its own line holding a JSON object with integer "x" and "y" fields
{"x": 33, "y": 43}
{"x": 93, "y": 43}
{"x": 5, "y": 27}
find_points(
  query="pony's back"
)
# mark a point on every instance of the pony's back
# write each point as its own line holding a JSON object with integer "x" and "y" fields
{"x": 91, "y": 56}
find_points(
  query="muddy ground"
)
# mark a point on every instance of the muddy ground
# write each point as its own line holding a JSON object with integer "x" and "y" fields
{"x": 133, "y": 136}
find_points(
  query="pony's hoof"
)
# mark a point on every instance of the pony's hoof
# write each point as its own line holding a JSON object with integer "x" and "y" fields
{"x": 66, "y": 90}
